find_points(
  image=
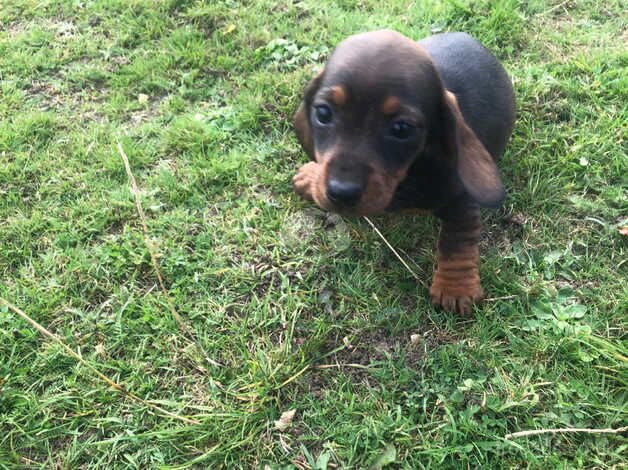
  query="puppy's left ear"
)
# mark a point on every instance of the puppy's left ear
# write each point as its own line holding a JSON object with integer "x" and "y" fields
{"x": 301, "y": 118}
{"x": 475, "y": 166}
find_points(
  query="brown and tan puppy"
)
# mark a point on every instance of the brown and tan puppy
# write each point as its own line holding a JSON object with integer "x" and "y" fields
{"x": 394, "y": 124}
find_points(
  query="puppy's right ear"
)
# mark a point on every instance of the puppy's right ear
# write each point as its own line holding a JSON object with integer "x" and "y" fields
{"x": 301, "y": 118}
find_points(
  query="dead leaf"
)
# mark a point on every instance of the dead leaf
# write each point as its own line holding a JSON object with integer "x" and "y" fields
{"x": 100, "y": 349}
{"x": 142, "y": 98}
{"x": 285, "y": 420}
{"x": 388, "y": 456}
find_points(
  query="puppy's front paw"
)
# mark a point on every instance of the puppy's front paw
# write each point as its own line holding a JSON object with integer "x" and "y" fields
{"x": 456, "y": 294}
{"x": 305, "y": 180}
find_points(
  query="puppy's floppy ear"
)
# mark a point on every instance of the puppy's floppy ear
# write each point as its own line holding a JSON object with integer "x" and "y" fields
{"x": 301, "y": 118}
{"x": 474, "y": 164}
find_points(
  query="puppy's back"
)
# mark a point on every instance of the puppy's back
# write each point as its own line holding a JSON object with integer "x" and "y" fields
{"x": 480, "y": 83}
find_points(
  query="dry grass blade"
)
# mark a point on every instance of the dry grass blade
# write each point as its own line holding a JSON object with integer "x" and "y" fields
{"x": 149, "y": 243}
{"x": 102, "y": 376}
{"x": 505, "y": 297}
{"x": 341, "y": 366}
{"x": 151, "y": 250}
{"x": 414, "y": 275}
{"x": 294, "y": 377}
{"x": 535, "y": 432}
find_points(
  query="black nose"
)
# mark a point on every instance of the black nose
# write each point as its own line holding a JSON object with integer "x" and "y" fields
{"x": 343, "y": 193}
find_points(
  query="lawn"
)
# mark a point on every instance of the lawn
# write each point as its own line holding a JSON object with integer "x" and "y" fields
{"x": 273, "y": 305}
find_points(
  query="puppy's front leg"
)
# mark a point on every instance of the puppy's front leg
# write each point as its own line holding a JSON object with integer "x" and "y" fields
{"x": 456, "y": 285}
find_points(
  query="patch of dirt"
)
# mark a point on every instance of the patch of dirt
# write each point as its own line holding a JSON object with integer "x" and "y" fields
{"x": 47, "y": 94}
{"x": 500, "y": 232}
{"x": 267, "y": 271}
{"x": 360, "y": 353}
{"x": 14, "y": 28}
{"x": 49, "y": 97}
{"x": 114, "y": 63}
{"x": 148, "y": 112}
{"x": 62, "y": 29}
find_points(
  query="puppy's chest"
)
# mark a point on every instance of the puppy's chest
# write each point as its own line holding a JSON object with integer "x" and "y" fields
{"x": 411, "y": 197}
{"x": 421, "y": 190}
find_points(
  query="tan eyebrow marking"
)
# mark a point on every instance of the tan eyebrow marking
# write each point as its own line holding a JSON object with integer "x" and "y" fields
{"x": 338, "y": 95}
{"x": 452, "y": 97}
{"x": 391, "y": 105}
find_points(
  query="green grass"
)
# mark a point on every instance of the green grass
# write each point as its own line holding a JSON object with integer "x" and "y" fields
{"x": 270, "y": 288}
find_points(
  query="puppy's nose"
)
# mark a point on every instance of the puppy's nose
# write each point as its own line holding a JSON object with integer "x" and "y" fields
{"x": 343, "y": 193}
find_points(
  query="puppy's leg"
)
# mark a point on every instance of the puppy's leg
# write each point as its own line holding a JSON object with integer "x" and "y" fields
{"x": 305, "y": 180}
{"x": 456, "y": 285}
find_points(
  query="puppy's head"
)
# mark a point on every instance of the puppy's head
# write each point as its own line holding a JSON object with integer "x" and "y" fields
{"x": 377, "y": 107}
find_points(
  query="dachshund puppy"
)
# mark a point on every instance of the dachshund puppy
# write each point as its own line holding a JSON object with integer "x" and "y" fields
{"x": 393, "y": 124}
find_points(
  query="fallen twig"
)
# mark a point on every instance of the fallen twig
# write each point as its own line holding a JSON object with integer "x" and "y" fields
{"x": 102, "y": 376}
{"x": 535, "y": 432}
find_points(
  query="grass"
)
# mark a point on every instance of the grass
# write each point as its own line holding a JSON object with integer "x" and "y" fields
{"x": 291, "y": 309}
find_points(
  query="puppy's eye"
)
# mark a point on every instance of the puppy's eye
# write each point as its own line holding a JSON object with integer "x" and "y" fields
{"x": 402, "y": 130}
{"x": 323, "y": 114}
